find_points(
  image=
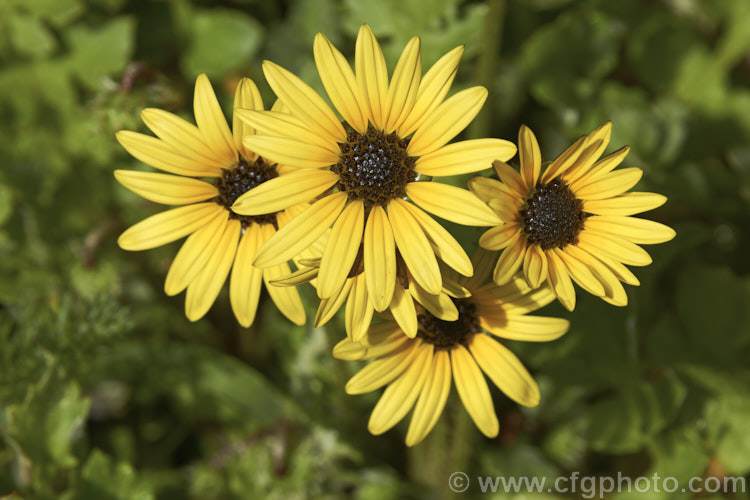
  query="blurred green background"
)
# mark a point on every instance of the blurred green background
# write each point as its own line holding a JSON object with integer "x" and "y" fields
{"x": 108, "y": 392}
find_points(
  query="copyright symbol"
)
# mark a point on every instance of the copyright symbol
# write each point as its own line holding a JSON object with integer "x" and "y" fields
{"x": 458, "y": 482}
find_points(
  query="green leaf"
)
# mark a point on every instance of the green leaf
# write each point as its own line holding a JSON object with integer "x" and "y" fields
{"x": 440, "y": 24}
{"x": 721, "y": 314}
{"x": 56, "y": 12}
{"x": 679, "y": 453}
{"x": 30, "y": 37}
{"x": 727, "y": 419}
{"x": 6, "y": 203}
{"x": 221, "y": 41}
{"x": 45, "y": 425}
{"x": 104, "y": 480}
{"x": 565, "y": 60}
{"x": 102, "y": 51}
{"x": 627, "y": 421}
{"x": 657, "y": 59}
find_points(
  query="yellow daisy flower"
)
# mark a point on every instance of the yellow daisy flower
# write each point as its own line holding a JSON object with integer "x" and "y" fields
{"x": 370, "y": 169}
{"x": 418, "y": 371}
{"x": 572, "y": 221}
{"x": 218, "y": 239}
{"x": 407, "y": 296}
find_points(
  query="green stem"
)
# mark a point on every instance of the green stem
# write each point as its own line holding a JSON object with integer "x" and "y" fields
{"x": 486, "y": 66}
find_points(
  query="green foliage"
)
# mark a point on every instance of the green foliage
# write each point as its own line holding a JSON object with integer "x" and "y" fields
{"x": 108, "y": 391}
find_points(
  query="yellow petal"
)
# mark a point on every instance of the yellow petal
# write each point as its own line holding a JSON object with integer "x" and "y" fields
{"x": 404, "y": 85}
{"x": 447, "y": 121}
{"x": 616, "y": 248}
{"x": 451, "y": 203}
{"x": 510, "y": 260}
{"x": 443, "y": 243}
{"x": 431, "y": 400}
{"x": 488, "y": 189}
{"x": 301, "y": 231}
{"x": 454, "y": 289}
{"x": 341, "y": 250}
{"x": 614, "y": 292}
{"x": 633, "y": 229}
{"x": 404, "y": 312}
{"x": 535, "y": 266}
{"x": 185, "y": 138}
{"x": 499, "y": 237}
{"x": 566, "y": 160}
{"x": 194, "y": 253}
{"x": 382, "y": 371}
{"x": 511, "y": 177}
{"x": 168, "y": 226}
{"x": 291, "y": 152}
{"x": 311, "y": 256}
{"x": 287, "y": 126}
{"x": 465, "y": 157}
{"x": 625, "y": 204}
{"x": 211, "y": 121}
{"x": 329, "y": 307}
{"x": 414, "y": 247}
{"x": 594, "y": 145}
{"x": 285, "y": 191}
{"x": 483, "y": 262}
{"x": 530, "y": 156}
{"x": 600, "y": 168}
{"x": 473, "y": 391}
{"x": 372, "y": 76}
{"x": 433, "y": 88}
{"x": 524, "y": 327}
{"x": 505, "y": 370}
{"x": 304, "y": 102}
{"x": 286, "y": 298}
{"x": 501, "y": 199}
{"x": 245, "y": 281}
{"x": 400, "y": 396}
{"x": 381, "y": 340}
{"x": 299, "y": 277}
{"x": 340, "y": 83}
{"x": 560, "y": 281}
{"x": 623, "y": 273}
{"x": 581, "y": 274}
{"x": 609, "y": 185}
{"x": 164, "y": 188}
{"x": 441, "y": 306}
{"x": 246, "y": 96}
{"x": 348, "y": 350}
{"x": 161, "y": 155}
{"x": 358, "y": 310}
{"x": 379, "y": 252}
{"x": 203, "y": 290}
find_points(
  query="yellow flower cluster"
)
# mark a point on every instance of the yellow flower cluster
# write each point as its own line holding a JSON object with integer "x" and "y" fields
{"x": 350, "y": 202}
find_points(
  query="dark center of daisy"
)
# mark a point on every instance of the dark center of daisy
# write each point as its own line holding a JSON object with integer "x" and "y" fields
{"x": 552, "y": 216}
{"x": 236, "y": 181}
{"x": 446, "y": 334}
{"x": 374, "y": 167}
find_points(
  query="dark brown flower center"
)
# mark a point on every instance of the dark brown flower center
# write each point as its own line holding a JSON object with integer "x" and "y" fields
{"x": 552, "y": 216}
{"x": 446, "y": 334}
{"x": 374, "y": 167}
{"x": 239, "y": 179}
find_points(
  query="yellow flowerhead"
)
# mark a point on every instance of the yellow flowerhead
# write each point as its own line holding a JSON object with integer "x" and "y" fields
{"x": 219, "y": 240}
{"x": 370, "y": 170}
{"x": 418, "y": 371}
{"x": 572, "y": 221}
